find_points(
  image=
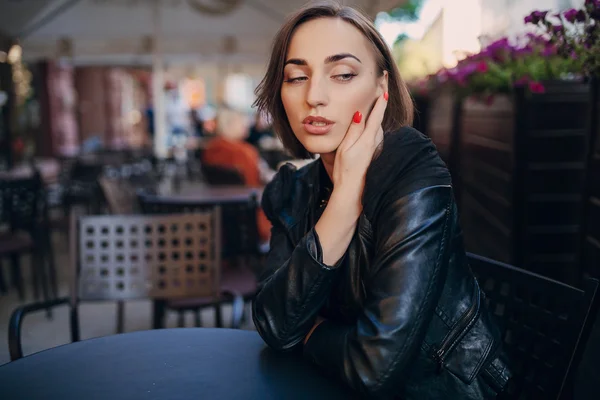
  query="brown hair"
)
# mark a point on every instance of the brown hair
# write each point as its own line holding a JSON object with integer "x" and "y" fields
{"x": 400, "y": 107}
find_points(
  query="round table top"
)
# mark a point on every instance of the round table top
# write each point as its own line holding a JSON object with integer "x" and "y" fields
{"x": 206, "y": 194}
{"x": 183, "y": 363}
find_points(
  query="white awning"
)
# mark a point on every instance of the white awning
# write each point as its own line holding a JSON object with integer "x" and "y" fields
{"x": 120, "y": 31}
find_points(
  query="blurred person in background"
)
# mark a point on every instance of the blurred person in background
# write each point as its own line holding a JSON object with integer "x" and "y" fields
{"x": 230, "y": 150}
{"x": 197, "y": 122}
{"x": 260, "y": 129}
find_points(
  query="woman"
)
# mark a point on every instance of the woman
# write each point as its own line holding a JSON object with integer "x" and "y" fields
{"x": 229, "y": 150}
{"x": 367, "y": 272}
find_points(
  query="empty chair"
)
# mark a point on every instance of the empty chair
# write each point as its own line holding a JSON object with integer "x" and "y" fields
{"x": 545, "y": 325}
{"x": 240, "y": 244}
{"x": 132, "y": 257}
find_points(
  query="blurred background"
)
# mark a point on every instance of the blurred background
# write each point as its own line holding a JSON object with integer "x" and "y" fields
{"x": 156, "y": 95}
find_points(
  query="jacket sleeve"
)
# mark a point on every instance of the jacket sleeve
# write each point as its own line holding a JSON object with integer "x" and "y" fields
{"x": 402, "y": 289}
{"x": 295, "y": 285}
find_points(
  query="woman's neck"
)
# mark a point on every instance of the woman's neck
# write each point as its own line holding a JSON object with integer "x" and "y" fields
{"x": 328, "y": 160}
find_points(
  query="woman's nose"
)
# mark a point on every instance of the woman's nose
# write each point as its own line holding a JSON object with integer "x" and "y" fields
{"x": 317, "y": 93}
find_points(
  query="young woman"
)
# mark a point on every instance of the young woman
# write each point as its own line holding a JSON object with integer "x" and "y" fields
{"x": 367, "y": 270}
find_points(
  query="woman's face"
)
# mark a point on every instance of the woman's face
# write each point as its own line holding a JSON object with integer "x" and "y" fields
{"x": 330, "y": 73}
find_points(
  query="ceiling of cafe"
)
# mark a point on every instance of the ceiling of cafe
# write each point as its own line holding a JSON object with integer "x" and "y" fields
{"x": 121, "y": 31}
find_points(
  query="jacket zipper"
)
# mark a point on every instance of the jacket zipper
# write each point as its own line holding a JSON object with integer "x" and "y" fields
{"x": 460, "y": 329}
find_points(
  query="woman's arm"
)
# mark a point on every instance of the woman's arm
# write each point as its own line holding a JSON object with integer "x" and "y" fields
{"x": 298, "y": 277}
{"x": 404, "y": 284}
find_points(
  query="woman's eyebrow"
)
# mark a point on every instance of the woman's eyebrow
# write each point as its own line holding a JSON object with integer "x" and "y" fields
{"x": 328, "y": 60}
{"x": 341, "y": 56}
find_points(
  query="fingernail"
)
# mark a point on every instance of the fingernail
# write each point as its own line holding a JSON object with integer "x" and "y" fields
{"x": 386, "y": 95}
{"x": 357, "y": 117}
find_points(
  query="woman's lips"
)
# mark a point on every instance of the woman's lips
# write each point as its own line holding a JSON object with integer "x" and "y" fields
{"x": 317, "y": 125}
{"x": 317, "y": 130}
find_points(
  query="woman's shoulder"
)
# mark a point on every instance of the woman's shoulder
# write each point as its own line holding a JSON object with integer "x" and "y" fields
{"x": 407, "y": 163}
{"x": 286, "y": 188}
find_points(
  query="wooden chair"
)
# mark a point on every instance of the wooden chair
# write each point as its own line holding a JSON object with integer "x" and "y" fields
{"x": 240, "y": 245}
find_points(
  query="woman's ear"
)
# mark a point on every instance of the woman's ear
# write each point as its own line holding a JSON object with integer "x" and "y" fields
{"x": 382, "y": 84}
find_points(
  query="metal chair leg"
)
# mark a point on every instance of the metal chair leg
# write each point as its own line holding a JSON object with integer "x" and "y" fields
{"x": 120, "y": 316}
{"x": 158, "y": 314}
{"x": 218, "y": 316}
{"x": 17, "y": 278}
{"x": 38, "y": 269}
{"x": 3, "y": 288}
{"x": 49, "y": 255}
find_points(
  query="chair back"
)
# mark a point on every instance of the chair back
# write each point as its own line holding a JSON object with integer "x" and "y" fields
{"x": 545, "y": 325}
{"x": 19, "y": 202}
{"x": 158, "y": 256}
{"x": 240, "y": 230}
{"x": 217, "y": 176}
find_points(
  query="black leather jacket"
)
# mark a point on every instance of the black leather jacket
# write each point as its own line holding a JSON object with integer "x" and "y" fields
{"x": 405, "y": 316}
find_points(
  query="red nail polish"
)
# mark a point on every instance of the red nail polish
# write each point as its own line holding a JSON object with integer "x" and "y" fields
{"x": 357, "y": 117}
{"x": 386, "y": 95}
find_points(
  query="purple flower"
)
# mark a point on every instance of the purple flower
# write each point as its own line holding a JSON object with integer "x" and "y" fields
{"x": 592, "y": 3}
{"x": 536, "y": 87}
{"x": 482, "y": 67}
{"x": 571, "y": 15}
{"x": 523, "y": 51}
{"x": 580, "y": 16}
{"x": 536, "y": 17}
{"x": 523, "y": 81}
{"x": 558, "y": 29}
{"x": 549, "y": 51}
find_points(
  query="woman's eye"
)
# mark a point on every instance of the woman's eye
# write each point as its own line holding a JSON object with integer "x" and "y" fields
{"x": 344, "y": 77}
{"x": 296, "y": 80}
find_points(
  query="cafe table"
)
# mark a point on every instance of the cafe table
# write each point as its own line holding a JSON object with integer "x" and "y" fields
{"x": 181, "y": 363}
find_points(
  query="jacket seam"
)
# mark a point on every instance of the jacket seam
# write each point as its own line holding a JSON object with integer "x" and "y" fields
{"x": 481, "y": 360}
{"x": 396, "y": 358}
{"x": 500, "y": 373}
{"x": 499, "y": 382}
{"x": 302, "y": 307}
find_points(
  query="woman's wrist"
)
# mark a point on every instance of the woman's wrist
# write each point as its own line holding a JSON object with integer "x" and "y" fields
{"x": 337, "y": 224}
{"x": 347, "y": 198}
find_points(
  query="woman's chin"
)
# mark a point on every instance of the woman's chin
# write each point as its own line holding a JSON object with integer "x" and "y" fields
{"x": 321, "y": 145}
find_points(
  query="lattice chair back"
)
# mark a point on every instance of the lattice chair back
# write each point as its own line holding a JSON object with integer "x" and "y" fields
{"x": 545, "y": 326}
{"x": 240, "y": 229}
{"x": 132, "y": 257}
{"x": 19, "y": 202}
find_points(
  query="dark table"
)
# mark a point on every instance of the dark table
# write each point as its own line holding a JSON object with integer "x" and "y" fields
{"x": 207, "y": 194}
{"x": 184, "y": 363}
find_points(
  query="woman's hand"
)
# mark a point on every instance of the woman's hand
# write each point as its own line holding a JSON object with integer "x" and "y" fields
{"x": 337, "y": 224}
{"x": 355, "y": 153}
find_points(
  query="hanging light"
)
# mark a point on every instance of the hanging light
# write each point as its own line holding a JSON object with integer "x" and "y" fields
{"x": 14, "y": 54}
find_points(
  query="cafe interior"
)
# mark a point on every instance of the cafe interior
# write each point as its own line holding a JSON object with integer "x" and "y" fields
{"x": 124, "y": 216}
